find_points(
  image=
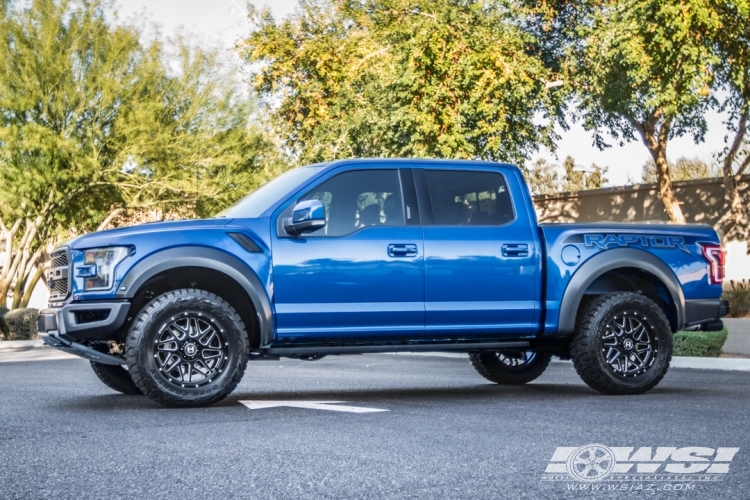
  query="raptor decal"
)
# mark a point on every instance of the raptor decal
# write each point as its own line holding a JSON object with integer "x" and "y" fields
{"x": 607, "y": 241}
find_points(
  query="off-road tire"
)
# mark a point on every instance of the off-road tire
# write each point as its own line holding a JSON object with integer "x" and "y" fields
{"x": 589, "y": 351}
{"x": 490, "y": 366}
{"x": 116, "y": 377}
{"x": 143, "y": 344}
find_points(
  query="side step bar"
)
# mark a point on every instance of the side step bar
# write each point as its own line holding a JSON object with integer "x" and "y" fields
{"x": 358, "y": 349}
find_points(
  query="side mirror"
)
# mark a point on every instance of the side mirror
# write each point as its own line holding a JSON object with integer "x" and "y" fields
{"x": 307, "y": 216}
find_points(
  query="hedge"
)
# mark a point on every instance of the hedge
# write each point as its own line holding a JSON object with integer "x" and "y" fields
{"x": 22, "y": 324}
{"x": 738, "y": 295}
{"x": 4, "y": 332}
{"x": 704, "y": 344}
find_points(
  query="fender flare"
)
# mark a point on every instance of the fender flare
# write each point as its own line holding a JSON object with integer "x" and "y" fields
{"x": 210, "y": 258}
{"x": 608, "y": 261}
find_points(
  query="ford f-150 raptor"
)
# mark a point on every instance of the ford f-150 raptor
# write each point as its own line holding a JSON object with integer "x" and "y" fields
{"x": 381, "y": 255}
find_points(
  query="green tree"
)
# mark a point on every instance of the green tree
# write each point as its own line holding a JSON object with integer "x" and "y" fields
{"x": 548, "y": 178}
{"x": 684, "y": 169}
{"x": 579, "y": 178}
{"x": 94, "y": 123}
{"x": 644, "y": 68}
{"x": 733, "y": 43}
{"x": 543, "y": 177}
{"x": 439, "y": 78}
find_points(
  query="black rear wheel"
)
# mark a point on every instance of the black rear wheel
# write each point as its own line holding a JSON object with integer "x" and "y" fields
{"x": 623, "y": 344}
{"x": 510, "y": 367}
{"x": 116, "y": 377}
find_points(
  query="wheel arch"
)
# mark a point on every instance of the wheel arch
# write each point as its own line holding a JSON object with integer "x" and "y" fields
{"x": 623, "y": 270}
{"x": 224, "y": 275}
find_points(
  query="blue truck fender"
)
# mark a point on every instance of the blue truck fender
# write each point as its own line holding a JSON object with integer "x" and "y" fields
{"x": 210, "y": 258}
{"x": 610, "y": 260}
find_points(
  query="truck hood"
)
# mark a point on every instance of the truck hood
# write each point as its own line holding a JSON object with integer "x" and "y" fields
{"x": 123, "y": 235}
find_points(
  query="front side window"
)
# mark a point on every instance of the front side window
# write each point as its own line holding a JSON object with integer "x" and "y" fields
{"x": 469, "y": 198}
{"x": 358, "y": 199}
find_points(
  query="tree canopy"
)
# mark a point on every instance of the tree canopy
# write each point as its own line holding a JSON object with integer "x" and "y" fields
{"x": 439, "y": 78}
{"x": 733, "y": 47}
{"x": 645, "y": 69}
{"x": 93, "y": 122}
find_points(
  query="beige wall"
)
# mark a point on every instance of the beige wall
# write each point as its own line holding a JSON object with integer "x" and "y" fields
{"x": 702, "y": 201}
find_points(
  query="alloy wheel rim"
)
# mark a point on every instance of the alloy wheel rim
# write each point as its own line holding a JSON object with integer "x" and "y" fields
{"x": 516, "y": 359}
{"x": 190, "y": 350}
{"x": 629, "y": 344}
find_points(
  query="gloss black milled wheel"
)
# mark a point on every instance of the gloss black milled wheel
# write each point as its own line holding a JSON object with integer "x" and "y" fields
{"x": 187, "y": 348}
{"x": 629, "y": 344}
{"x": 191, "y": 349}
{"x": 622, "y": 343}
{"x": 510, "y": 367}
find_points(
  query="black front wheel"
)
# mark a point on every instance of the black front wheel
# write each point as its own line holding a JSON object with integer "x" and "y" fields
{"x": 116, "y": 377}
{"x": 623, "y": 343}
{"x": 510, "y": 367}
{"x": 187, "y": 348}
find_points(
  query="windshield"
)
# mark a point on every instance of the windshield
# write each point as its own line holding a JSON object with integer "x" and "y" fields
{"x": 256, "y": 202}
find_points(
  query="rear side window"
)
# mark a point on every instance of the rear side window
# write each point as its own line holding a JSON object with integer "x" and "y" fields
{"x": 469, "y": 198}
{"x": 358, "y": 199}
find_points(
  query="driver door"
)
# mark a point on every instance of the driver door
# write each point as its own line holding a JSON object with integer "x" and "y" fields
{"x": 362, "y": 275}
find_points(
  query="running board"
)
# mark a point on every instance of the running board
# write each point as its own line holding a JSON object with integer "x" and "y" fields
{"x": 359, "y": 349}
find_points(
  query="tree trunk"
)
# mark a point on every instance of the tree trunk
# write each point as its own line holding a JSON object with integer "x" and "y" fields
{"x": 114, "y": 213}
{"x": 32, "y": 284}
{"x": 656, "y": 142}
{"x": 671, "y": 205}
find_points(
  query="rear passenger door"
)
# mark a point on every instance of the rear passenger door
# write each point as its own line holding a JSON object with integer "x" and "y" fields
{"x": 482, "y": 260}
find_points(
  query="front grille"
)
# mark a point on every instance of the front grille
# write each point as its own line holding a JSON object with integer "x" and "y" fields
{"x": 59, "y": 259}
{"x": 59, "y": 287}
{"x": 59, "y": 275}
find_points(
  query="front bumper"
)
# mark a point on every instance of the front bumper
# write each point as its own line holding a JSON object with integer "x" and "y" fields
{"x": 66, "y": 327}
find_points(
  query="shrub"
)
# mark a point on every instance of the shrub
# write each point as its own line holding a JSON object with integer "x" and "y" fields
{"x": 22, "y": 324}
{"x": 4, "y": 333}
{"x": 705, "y": 344}
{"x": 738, "y": 295}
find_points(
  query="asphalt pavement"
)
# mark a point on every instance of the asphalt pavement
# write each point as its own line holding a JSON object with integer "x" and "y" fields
{"x": 447, "y": 433}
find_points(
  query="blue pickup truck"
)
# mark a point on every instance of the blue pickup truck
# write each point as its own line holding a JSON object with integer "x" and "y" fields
{"x": 381, "y": 255}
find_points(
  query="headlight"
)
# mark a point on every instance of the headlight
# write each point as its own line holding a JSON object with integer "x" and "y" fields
{"x": 99, "y": 266}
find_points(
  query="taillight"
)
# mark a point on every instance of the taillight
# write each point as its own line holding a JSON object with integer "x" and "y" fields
{"x": 714, "y": 254}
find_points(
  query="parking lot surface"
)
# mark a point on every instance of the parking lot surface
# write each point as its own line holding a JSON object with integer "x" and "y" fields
{"x": 446, "y": 433}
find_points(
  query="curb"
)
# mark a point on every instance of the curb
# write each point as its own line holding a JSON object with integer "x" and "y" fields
{"x": 734, "y": 364}
{"x": 696, "y": 363}
{"x": 20, "y": 344}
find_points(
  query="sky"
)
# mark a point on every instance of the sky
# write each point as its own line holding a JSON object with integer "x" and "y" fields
{"x": 222, "y": 22}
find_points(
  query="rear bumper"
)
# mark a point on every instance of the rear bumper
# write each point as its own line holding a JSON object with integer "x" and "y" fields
{"x": 705, "y": 314}
{"x": 66, "y": 327}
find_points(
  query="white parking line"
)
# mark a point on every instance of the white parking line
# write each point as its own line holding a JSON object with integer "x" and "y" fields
{"x": 310, "y": 405}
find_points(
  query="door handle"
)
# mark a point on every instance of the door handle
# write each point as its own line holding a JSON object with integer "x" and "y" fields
{"x": 515, "y": 250}
{"x": 402, "y": 250}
